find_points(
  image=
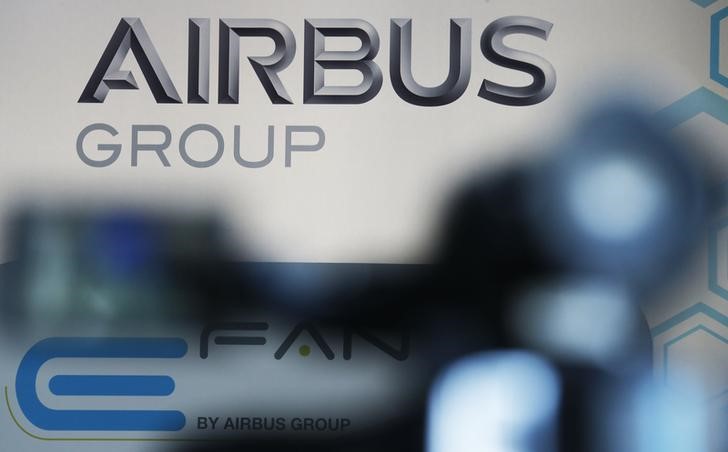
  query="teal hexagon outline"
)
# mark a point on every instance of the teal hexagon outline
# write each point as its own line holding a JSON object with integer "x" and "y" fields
{"x": 685, "y": 314}
{"x": 713, "y": 283}
{"x": 690, "y": 332}
{"x": 702, "y": 100}
{"x": 715, "y": 21}
{"x": 704, "y": 3}
{"x": 682, "y": 316}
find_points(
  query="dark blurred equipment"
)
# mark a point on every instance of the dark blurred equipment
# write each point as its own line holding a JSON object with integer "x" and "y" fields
{"x": 554, "y": 256}
{"x": 619, "y": 201}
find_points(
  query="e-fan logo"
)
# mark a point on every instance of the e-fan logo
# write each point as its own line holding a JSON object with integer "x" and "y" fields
{"x": 131, "y": 386}
{"x": 47, "y": 418}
